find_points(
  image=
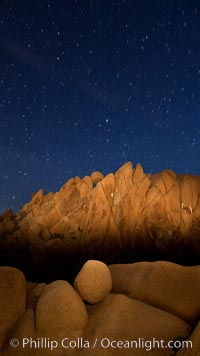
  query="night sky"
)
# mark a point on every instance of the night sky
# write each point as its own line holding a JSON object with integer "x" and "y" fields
{"x": 88, "y": 85}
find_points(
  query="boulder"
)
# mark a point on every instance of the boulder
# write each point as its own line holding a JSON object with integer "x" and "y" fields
{"x": 143, "y": 187}
{"x": 93, "y": 282}
{"x": 60, "y": 309}
{"x": 118, "y": 317}
{"x": 12, "y": 299}
{"x": 189, "y": 187}
{"x": 152, "y": 195}
{"x": 96, "y": 177}
{"x": 138, "y": 174}
{"x": 77, "y": 179}
{"x": 97, "y": 220}
{"x": 127, "y": 171}
{"x": 158, "y": 182}
{"x": 88, "y": 181}
{"x": 108, "y": 185}
{"x": 165, "y": 285}
{"x": 169, "y": 179}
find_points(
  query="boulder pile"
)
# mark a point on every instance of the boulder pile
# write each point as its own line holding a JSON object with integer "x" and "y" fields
{"x": 114, "y": 310}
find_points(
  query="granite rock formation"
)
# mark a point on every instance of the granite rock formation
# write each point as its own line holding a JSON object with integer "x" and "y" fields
{"x": 146, "y": 281}
{"x": 126, "y": 216}
{"x": 142, "y": 305}
{"x": 93, "y": 282}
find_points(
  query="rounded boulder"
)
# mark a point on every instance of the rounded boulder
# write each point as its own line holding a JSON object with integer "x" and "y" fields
{"x": 60, "y": 308}
{"x": 93, "y": 282}
{"x": 96, "y": 177}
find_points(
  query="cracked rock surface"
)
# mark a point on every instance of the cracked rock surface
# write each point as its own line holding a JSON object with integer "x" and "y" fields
{"x": 125, "y": 216}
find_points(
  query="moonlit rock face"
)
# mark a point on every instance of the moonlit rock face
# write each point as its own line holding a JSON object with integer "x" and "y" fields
{"x": 93, "y": 282}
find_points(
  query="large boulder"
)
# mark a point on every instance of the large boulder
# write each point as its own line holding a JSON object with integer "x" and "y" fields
{"x": 121, "y": 319}
{"x": 93, "y": 282}
{"x": 168, "y": 286}
{"x": 60, "y": 309}
{"x": 12, "y": 299}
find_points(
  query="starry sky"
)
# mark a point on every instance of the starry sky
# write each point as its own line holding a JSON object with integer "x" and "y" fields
{"x": 87, "y": 85}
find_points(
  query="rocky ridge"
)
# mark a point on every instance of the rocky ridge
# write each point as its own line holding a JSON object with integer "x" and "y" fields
{"x": 126, "y": 216}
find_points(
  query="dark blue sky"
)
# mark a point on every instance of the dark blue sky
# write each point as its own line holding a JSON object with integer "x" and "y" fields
{"x": 88, "y": 85}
